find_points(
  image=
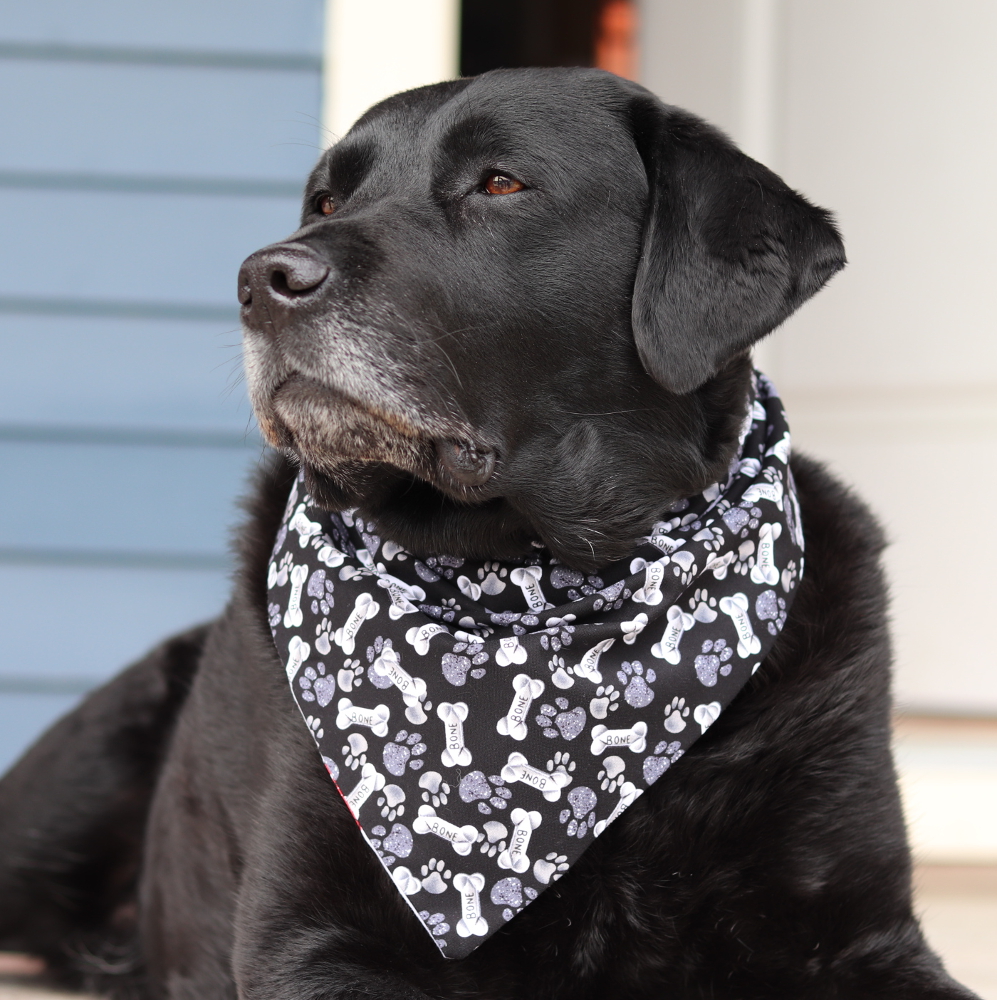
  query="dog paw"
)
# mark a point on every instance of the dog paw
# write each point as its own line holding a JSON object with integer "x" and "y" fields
{"x": 436, "y": 923}
{"x": 403, "y": 752}
{"x": 560, "y": 677}
{"x": 550, "y": 868}
{"x": 392, "y": 802}
{"x": 315, "y": 726}
{"x": 494, "y": 839}
{"x": 492, "y": 577}
{"x": 665, "y": 754}
{"x": 637, "y": 693}
{"x": 436, "y": 792}
{"x": 273, "y": 615}
{"x": 435, "y": 876}
{"x": 320, "y": 589}
{"x": 511, "y": 894}
{"x": 351, "y": 676}
{"x": 355, "y": 751}
{"x": 675, "y": 715}
{"x": 316, "y": 686}
{"x": 487, "y": 792}
{"x": 789, "y": 576}
{"x": 604, "y": 702}
{"x": 323, "y": 637}
{"x": 771, "y": 608}
{"x": 713, "y": 660}
{"x": 569, "y": 722}
{"x": 561, "y": 761}
{"x": 611, "y": 773}
{"x": 580, "y": 818}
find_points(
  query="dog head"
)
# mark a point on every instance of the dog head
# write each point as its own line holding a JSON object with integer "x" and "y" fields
{"x": 518, "y": 310}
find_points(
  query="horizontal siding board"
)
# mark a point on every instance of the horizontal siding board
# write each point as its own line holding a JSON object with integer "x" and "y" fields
{"x": 135, "y": 248}
{"x": 122, "y": 373}
{"x": 293, "y": 26}
{"x": 65, "y": 496}
{"x": 159, "y": 120}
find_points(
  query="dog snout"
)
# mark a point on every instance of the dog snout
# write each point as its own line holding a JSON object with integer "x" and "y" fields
{"x": 281, "y": 276}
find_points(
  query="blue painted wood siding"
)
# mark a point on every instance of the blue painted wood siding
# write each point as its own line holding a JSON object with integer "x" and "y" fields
{"x": 146, "y": 150}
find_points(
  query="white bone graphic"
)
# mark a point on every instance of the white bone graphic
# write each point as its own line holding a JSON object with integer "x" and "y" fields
{"x": 664, "y": 542}
{"x": 419, "y": 636}
{"x": 748, "y": 644}
{"x": 471, "y": 921}
{"x": 513, "y": 723}
{"x": 406, "y": 881}
{"x": 765, "y": 491}
{"x": 413, "y": 689}
{"x": 305, "y": 527}
{"x": 375, "y": 719}
{"x": 527, "y": 578}
{"x": 510, "y": 651}
{"x": 330, "y": 556}
{"x": 276, "y": 576}
{"x": 629, "y": 793}
{"x": 717, "y": 564}
{"x": 749, "y": 467}
{"x": 549, "y": 784}
{"x": 293, "y": 617}
{"x": 402, "y": 595}
{"x": 298, "y": 651}
{"x": 633, "y": 629}
{"x": 588, "y": 666}
{"x": 468, "y": 588}
{"x": 460, "y": 838}
{"x": 765, "y": 569}
{"x": 782, "y": 449}
{"x": 654, "y": 574}
{"x": 370, "y": 781}
{"x": 635, "y": 737}
{"x": 678, "y": 624}
{"x": 707, "y": 714}
{"x": 365, "y": 607}
{"x": 452, "y": 716}
{"x": 514, "y": 856}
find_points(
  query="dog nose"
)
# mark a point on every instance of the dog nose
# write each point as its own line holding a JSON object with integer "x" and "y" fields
{"x": 280, "y": 275}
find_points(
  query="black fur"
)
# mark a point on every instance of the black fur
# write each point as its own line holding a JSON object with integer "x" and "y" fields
{"x": 177, "y": 836}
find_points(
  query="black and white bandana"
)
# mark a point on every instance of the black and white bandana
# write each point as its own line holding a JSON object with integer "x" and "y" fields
{"x": 485, "y": 721}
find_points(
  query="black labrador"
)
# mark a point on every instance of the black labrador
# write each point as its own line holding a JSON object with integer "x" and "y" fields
{"x": 552, "y": 274}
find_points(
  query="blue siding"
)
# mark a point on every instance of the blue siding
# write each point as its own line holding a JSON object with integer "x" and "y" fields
{"x": 148, "y": 150}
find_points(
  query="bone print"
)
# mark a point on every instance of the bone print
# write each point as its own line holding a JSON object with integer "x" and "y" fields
{"x": 375, "y": 719}
{"x": 707, "y": 714}
{"x": 629, "y": 793}
{"x": 407, "y": 883}
{"x": 782, "y": 449}
{"x": 366, "y": 607}
{"x": 297, "y": 653}
{"x": 293, "y": 616}
{"x": 588, "y": 666}
{"x": 514, "y": 856}
{"x": 330, "y": 556}
{"x": 510, "y": 651}
{"x": 306, "y": 528}
{"x": 413, "y": 689}
{"x": 678, "y": 624}
{"x": 460, "y": 838}
{"x": 370, "y": 781}
{"x": 471, "y": 921}
{"x": 765, "y": 491}
{"x": 402, "y": 595}
{"x": 654, "y": 575}
{"x": 632, "y": 629}
{"x": 513, "y": 723}
{"x": 718, "y": 564}
{"x": 748, "y": 644}
{"x": 453, "y": 715}
{"x": 549, "y": 784}
{"x": 418, "y": 636}
{"x": 666, "y": 543}
{"x": 635, "y": 737}
{"x": 527, "y": 578}
{"x": 765, "y": 569}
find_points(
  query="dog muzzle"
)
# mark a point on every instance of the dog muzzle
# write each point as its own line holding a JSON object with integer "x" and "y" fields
{"x": 485, "y": 721}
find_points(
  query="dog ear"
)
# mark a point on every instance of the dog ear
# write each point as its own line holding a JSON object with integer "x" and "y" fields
{"x": 729, "y": 251}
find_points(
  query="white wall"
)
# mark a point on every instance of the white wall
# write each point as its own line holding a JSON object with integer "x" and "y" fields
{"x": 886, "y": 112}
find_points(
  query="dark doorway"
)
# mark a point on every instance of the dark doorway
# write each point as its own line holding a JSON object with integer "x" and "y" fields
{"x": 547, "y": 33}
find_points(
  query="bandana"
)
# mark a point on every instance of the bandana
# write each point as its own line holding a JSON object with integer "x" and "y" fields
{"x": 486, "y": 721}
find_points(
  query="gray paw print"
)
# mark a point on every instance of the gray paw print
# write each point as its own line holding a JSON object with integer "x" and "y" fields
{"x": 435, "y": 876}
{"x": 772, "y": 609}
{"x": 604, "y": 702}
{"x": 320, "y": 588}
{"x": 315, "y": 686}
{"x": 315, "y": 726}
{"x": 561, "y": 761}
{"x": 569, "y": 722}
{"x": 355, "y": 752}
{"x": 741, "y": 520}
{"x": 403, "y": 752}
{"x": 611, "y": 774}
{"x": 665, "y": 754}
{"x": 492, "y": 576}
{"x": 636, "y": 679}
{"x": 435, "y": 921}
{"x": 394, "y": 845}
{"x": 475, "y": 787}
{"x": 273, "y": 612}
{"x": 550, "y": 868}
{"x": 611, "y": 598}
{"x": 510, "y": 893}
{"x": 789, "y": 576}
{"x": 675, "y": 715}
{"x": 714, "y": 658}
{"x": 559, "y": 633}
{"x": 497, "y": 835}
{"x": 436, "y": 792}
{"x": 392, "y": 802}
{"x": 580, "y": 818}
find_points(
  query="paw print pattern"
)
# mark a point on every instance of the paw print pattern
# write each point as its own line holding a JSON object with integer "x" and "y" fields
{"x": 550, "y": 868}
{"x": 436, "y": 792}
{"x": 713, "y": 660}
{"x": 512, "y": 894}
{"x": 355, "y": 751}
{"x": 675, "y": 715}
{"x": 489, "y": 793}
{"x": 351, "y": 675}
{"x": 403, "y": 752}
{"x": 604, "y": 702}
{"x": 636, "y": 680}
{"x": 323, "y": 636}
{"x": 315, "y": 726}
{"x": 560, "y": 677}
{"x": 742, "y": 519}
{"x": 436, "y": 922}
{"x": 789, "y": 576}
{"x": 273, "y": 615}
{"x": 611, "y": 598}
{"x": 392, "y": 802}
{"x": 315, "y": 686}
{"x": 435, "y": 876}
{"x": 561, "y": 761}
{"x": 446, "y": 611}
{"x": 704, "y": 606}
{"x": 495, "y": 838}
{"x": 580, "y": 818}
{"x": 611, "y": 774}
{"x": 320, "y": 589}
{"x": 394, "y": 845}
{"x": 771, "y": 608}
{"x": 560, "y": 719}
{"x": 492, "y": 578}
{"x": 665, "y": 754}
{"x": 559, "y": 633}
{"x": 438, "y": 567}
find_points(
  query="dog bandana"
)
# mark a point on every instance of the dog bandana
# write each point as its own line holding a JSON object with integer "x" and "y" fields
{"x": 486, "y": 721}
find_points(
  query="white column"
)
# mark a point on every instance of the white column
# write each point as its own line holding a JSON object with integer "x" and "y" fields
{"x": 375, "y": 48}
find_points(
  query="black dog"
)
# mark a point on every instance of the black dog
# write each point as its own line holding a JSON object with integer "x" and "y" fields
{"x": 518, "y": 309}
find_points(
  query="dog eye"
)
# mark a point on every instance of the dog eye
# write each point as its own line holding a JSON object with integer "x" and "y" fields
{"x": 326, "y": 205}
{"x": 501, "y": 184}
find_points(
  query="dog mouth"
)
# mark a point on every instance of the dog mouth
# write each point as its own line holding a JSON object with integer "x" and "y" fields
{"x": 335, "y": 434}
